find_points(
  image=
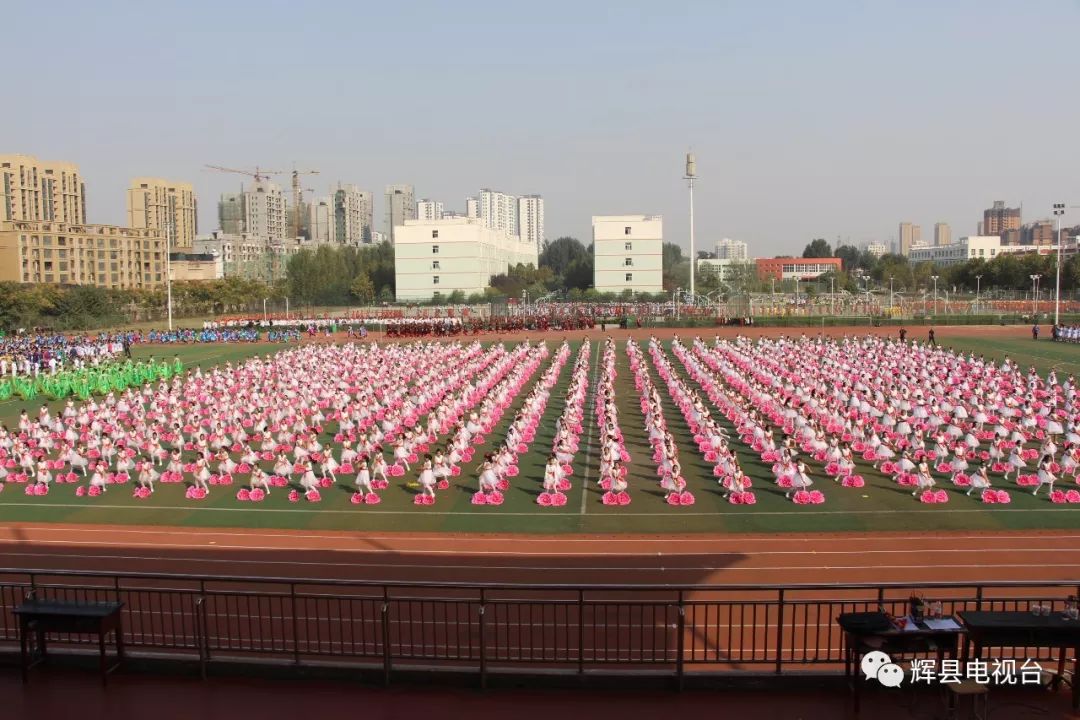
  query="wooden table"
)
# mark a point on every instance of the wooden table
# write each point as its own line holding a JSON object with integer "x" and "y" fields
{"x": 859, "y": 640}
{"x": 1025, "y": 629}
{"x": 49, "y": 616}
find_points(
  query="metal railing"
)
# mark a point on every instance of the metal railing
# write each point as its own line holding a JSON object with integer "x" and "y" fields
{"x": 484, "y": 627}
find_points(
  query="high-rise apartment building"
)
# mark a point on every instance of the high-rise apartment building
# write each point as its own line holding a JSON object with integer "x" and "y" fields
{"x": 353, "y": 215}
{"x": 530, "y": 220}
{"x": 41, "y": 191}
{"x": 259, "y": 211}
{"x": 998, "y": 219}
{"x": 166, "y": 206}
{"x": 429, "y": 210}
{"x": 498, "y": 210}
{"x": 728, "y": 249}
{"x": 472, "y": 207}
{"x": 321, "y": 219}
{"x": 942, "y": 234}
{"x": 910, "y": 236}
{"x": 1039, "y": 233}
{"x": 400, "y": 206}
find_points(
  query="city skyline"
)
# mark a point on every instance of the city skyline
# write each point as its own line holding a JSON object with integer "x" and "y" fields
{"x": 800, "y": 124}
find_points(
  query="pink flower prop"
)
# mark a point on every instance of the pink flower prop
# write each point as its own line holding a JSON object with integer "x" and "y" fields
{"x": 443, "y": 484}
{"x": 888, "y": 468}
{"x": 503, "y": 485}
{"x": 313, "y": 496}
{"x": 544, "y": 499}
{"x": 423, "y": 500}
{"x": 567, "y": 469}
{"x": 941, "y": 496}
{"x": 735, "y": 498}
{"x": 294, "y": 495}
{"x": 943, "y": 467}
{"x": 801, "y": 497}
{"x": 357, "y": 498}
{"x": 81, "y": 492}
{"x": 928, "y": 497}
{"x": 1027, "y": 480}
{"x": 1072, "y": 496}
{"x": 674, "y": 499}
{"x": 853, "y": 481}
{"x": 325, "y": 482}
{"x": 785, "y": 482}
{"x": 749, "y": 498}
{"x": 623, "y": 498}
{"x": 512, "y": 471}
{"x": 346, "y": 469}
{"x": 257, "y": 495}
{"x": 380, "y": 484}
{"x": 816, "y": 497}
{"x": 496, "y": 498}
{"x": 833, "y": 469}
{"x": 243, "y": 468}
{"x": 1057, "y": 496}
{"x": 455, "y": 471}
{"x": 686, "y": 498}
{"x": 605, "y": 484}
{"x": 962, "y": 480}
{"x": 372, "y": 499}
{"x": 243, "y": 494}
{"x": 479, "y": 498}
{"x": 1003, "y": 497}
{"x": 989, "y": 497}
{"x": 397, "y": 470}
{"x": 141, "y": 493}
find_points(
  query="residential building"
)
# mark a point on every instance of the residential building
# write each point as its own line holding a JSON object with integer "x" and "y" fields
{"x": 429, "y": 210}
{"x": 942, "y": 234}
{"x": 499, "y": 210}
{"x": 400, "y": 207}
{"x": 998, "y": 219}
{"x": 628, "y": 253}
{"x": 530, "y": 219}
{"x": 103, "y": 255}
{"x": 166, "y": 206}
{"x": 1011, "y": 237}
{"x": 728, "y": 269}
{"x": 321, "y": 220}
{"x": 877, "y": 249}
{"x": 787, "y": 268}
{"x": 378, "y": 237}
{"x": 41, "y": 191}
{"x": 472, "y": 207}
{"x": 434, "y": 258}
{"x": 1040, "y": 232}
{"x": 195, "y": 267}
{"x": 985, "y": 247}
{"x": 910, "y": 236}
{"x": 353, "y": 216}
{"x": 242, "y": 255}
{"x": 258, "y": 211}
{"x": 728, "y": 249}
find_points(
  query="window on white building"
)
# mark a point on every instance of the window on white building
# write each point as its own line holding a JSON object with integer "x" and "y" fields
{"x": 629, "y": 277}
{"x": 434, "y": 249}
{"x": 434, "y": 264}
{"x": 435, "y": 280}
{"x": 435, "y": 234}
{"x": 626, "y": 230}
{"x": 629, "y": 246}
{"x": 629, "y": 262}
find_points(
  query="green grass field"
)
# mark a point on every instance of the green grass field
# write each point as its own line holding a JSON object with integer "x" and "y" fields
{"x": 879, "y": 506}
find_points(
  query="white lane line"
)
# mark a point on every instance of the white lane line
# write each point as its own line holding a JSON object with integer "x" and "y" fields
{"x": 338, "y": 535}
{"x": 542, "y": 568}
{"x": 592, "y": 428}
{"x": 422, "y": 512}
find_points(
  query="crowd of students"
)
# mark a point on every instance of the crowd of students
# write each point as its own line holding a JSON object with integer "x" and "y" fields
{"x": 37, "y": 353}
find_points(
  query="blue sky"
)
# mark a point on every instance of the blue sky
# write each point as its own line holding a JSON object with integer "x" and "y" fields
{"x": 808, "y": 119}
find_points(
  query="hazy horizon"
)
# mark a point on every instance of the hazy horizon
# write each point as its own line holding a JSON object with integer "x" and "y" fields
{"x": 833, "y": 119}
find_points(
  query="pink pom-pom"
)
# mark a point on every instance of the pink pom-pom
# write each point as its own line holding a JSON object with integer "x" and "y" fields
{"x": 686, "y": 498}
{"x": 749, "y": 498}
{"x": 1003, "y": 497}
{"x": 243, "y": 468}
{"x": 674, "y": 499}
{"x": 522, "y": 447}
{"x": 801, "y": 497}
{"x": 1072, "y": 496}
{"x": 455, "y": 471}
{"x": 624, "y": 498}
{"x": 816, "y": 497}
{"x": 544, "y": 499}
{"x": 989, "y": 496}
{"x": 735, "y": 498}
{"x": 81, "y": 491}
{"x": 512, "y": 471}
{"x": 567, "y": 469}
{"x": 609, "y": 498}
{"x": 503, "y": 485}
{"x": 941, "y": 496}
{"x": 496, "y": 498}
{"x": 142, "y": 493}
{"x": 962, "y": 480}
{"x": 93, "y": 491}
{"x": 357, "y": 498}
{"x": 313, "y": 496}
{"x": 257, "y": 495}
{"x": 243, "y": 494}
{"x": 563, "y": 485}
{"x": 346, "y": 469}
{"x": 294, "y": 496}
{"x": 325, "y": 482}
{"x": 1057, "y": 496}
{"x": 479, "y": 499}
{"x": 372, "y": 499}
{"x": 605, "y": 484}
{"x": 397, "y": 470}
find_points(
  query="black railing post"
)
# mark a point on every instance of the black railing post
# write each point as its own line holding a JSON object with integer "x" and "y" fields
{"x": 384, "y": 620}
{"x": 681, "y": 644}
{"x": 200, "y": 636}
{"x": 780, "y": 631}
{"x": 205, "y": 620}
{"x": 295, "y": 624}
{"x": 978, "y": 597}
{"x": 581, "y": 632}
{"x": 483, "y": 643}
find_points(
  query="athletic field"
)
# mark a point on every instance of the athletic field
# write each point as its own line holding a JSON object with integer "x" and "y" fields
{"x": 880, "y": 506}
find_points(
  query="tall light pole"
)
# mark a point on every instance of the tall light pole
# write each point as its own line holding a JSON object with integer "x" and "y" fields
{"x": 1035, "y": 296}
{"x": 691, "y": 175}
{"x": 264, "y": 309}
{"x": 832, "y": 295}
{"x": 1059, "y": 210}
{"x": 935, "y": 279}
{"x": 168, "y": 268}
{"x": 890, "y": 293}
{"x": 978, "y": 286}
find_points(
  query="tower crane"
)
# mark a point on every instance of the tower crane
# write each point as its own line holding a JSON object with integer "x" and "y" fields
{"x": 298, "y": 198}
{"x": 258, "y": 174}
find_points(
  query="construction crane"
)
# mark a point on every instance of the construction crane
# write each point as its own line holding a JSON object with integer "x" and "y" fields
{"x": 298, "y": 198}
{"x": 258, "y": 174}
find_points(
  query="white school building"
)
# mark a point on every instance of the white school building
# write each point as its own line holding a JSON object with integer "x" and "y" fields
{"x": 433, "y": 258}
{"x": 628, "y": 253}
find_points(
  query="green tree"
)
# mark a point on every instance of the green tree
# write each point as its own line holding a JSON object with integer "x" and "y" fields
{"x": 362, "y": 289}
{"x": 818, "y": 248}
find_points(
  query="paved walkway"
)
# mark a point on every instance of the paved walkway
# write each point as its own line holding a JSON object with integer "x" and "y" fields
{"x": 63, "y": 694}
